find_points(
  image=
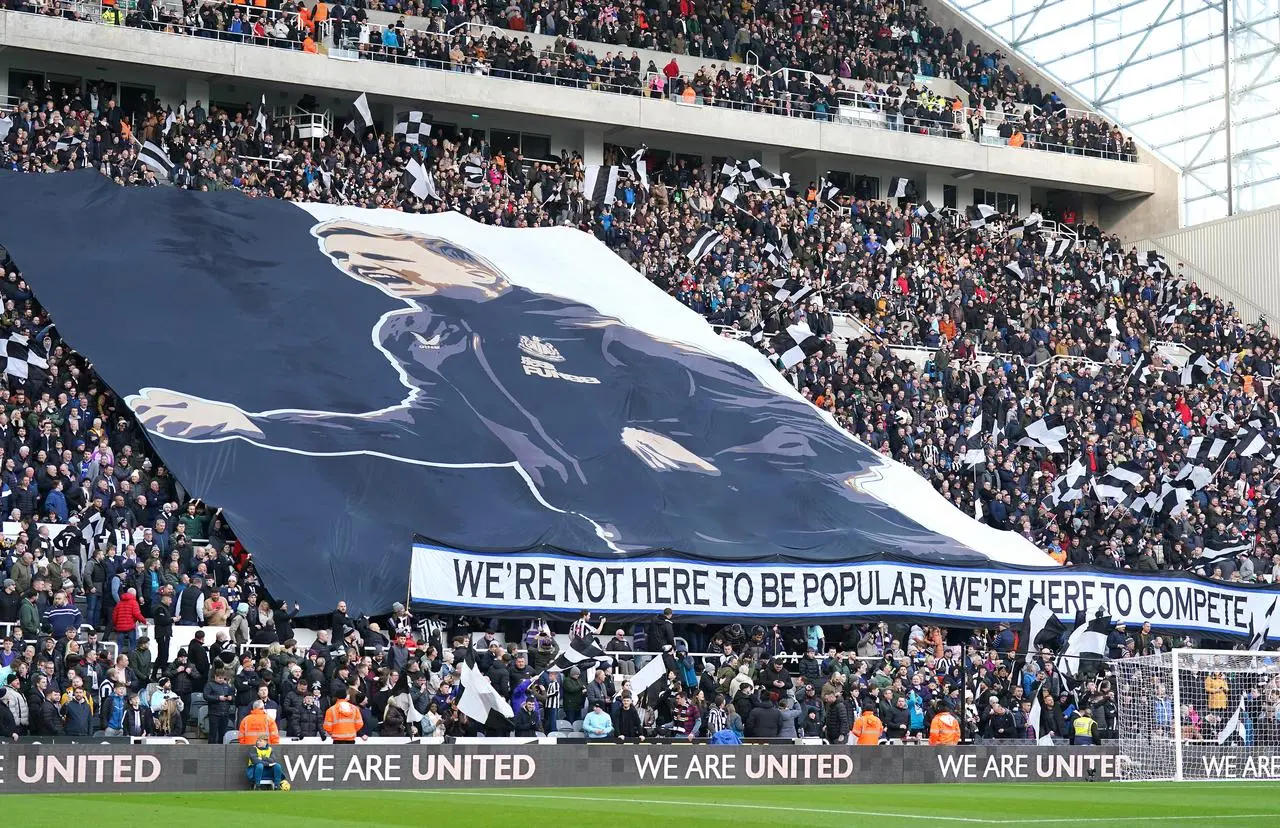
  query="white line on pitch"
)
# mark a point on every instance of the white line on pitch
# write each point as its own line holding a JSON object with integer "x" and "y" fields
{"x": 696, "y": 804}
{"x": 838, "y": 812}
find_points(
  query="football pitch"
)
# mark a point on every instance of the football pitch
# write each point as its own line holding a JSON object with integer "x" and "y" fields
{"x": 876, "y": 806}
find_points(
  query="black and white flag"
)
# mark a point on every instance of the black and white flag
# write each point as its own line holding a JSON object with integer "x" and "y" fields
{"x": 263, "y": 119}
{"x": 156, "y": 159}
{"x": 1048, "y": 432}
{"x": 600, "y": 184}
{"x": 24, "y": 360}
{"x": 415, "y": 128}
{"x": 1207, "y": 451}
{"x": 1260, "y": 634}
{"x": 580, "y": 650}
{"x": 928, "y": 211}
{"x": 420, "y": 181}
{"x": 1157, "y": 267}
{"x": 796, "y": 344}
{"x": 756, "y": 334}
{"x": 473, "y": 174}
{"x": 1086, "y": 645}
{"x": 1235, "y": 726}
{"x": 478, "y": 698}
{"x": 1197, "y": 370}
{"x": 67, "y": 142}
{"x": 792, "y": 290}
{"x": 174, "y": 117}
{"x": 972, "y": 452}
{"x": 752, "y": 173}
{"x": 828, "y": 193}
{"x": 980, "y": 215}
{"x": 641, "y": 165}
{"x": 1218, "y": 552}
{"x": 1041, "y": 629}
{"x": 704, "y": 245}
{"x": 898, "y": 187}
{"x": 1251, "y": 441}
{"x": 1014, "y": 270}
{"x": 1029, "y": 223}
{"x": 1069, "y": 487}
{"x": 1058, "y": 249}
{"x": 361, "y": 118}
{"x": 1120, "y": 483}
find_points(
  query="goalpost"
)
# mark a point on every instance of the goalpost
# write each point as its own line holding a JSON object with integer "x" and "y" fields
{"x": 1198, "y": 714}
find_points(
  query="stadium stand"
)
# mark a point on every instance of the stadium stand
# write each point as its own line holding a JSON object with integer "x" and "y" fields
{"x": 928, "y": 321}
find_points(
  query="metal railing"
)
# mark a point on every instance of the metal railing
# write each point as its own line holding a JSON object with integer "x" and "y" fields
{"x": 788, "y": 105}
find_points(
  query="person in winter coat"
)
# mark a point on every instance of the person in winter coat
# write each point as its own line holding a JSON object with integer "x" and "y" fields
{"x": 16, "y": 703}
{"x": 10, "y": 601}
{"x": 46, "y": 718}
{"x": 124, "y": 619}
{"x": 790, "y": 719}
{"x": 240, "y": 625}
{"x": 775, "y": 678}
{"x": 575, "y": 693}
{"x": 8, "y": 725}
{"x": 29, "y": 617}
{"x": 77, "y": 715}
{"x": 897, "y": 720}
{"x": 308, "y": 718}
{"x": 838, "y": 721}
{"x": 1000, "y": 723}
{"x": 662, "y": 633}
{"x": 765, "y": 720}
{"x": 626, "y": 720}
{"x": 527, "y": 720}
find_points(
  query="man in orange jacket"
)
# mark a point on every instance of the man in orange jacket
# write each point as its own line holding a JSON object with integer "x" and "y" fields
{"x": 343, "y": 721}
{"x": 945, "y": 727}
{"x": 868, "y": 727}
{"x": 258, "y": 725}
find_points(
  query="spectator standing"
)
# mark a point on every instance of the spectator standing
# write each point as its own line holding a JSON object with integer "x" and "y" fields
{"x": 220, "y": 697}
{"x": 125, "y": 618}
{"x": 597, "y": 725}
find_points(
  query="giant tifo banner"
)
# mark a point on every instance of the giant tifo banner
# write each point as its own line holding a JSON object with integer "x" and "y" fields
{"x": 180, "y": 768}
{"x": 798, "y": 592}
{"x": 340, "y": 380}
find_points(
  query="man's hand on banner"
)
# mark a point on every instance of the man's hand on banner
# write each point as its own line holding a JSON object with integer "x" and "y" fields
{"x": 173, "y": 414}
{"x": 664, "y": 454}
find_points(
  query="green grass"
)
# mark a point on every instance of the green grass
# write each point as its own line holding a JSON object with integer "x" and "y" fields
{"x": 1095, "y": 805}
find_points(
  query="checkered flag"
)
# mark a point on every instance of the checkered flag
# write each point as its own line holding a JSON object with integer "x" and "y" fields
{"x": 25, "y": 361}
{"x": 415, "y": 128}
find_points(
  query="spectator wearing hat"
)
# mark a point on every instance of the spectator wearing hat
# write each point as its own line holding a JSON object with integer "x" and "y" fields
{"x": 125, "y": 618}
{"x": 239, "y": 631}
{"x": 597, "y": 724}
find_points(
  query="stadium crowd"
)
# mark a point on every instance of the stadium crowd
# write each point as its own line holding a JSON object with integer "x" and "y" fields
{"x": 1064, "y": 337}
{"x": 864, "y": 68}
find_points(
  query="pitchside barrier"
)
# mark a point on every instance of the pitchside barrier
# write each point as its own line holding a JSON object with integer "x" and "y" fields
{"x": 181, "y": 768}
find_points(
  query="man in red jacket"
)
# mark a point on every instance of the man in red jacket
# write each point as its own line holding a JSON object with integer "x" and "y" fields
{"x": 125, "y": 618}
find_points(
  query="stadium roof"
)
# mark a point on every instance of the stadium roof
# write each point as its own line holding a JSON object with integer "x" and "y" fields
{"x": 1156, "y": 68}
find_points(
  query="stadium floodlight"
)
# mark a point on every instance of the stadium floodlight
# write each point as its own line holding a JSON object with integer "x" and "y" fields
{"x": 1197, "y": 714}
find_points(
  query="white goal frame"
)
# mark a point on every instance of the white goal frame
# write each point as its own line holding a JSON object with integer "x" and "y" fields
{"x": 1154, "y": 738}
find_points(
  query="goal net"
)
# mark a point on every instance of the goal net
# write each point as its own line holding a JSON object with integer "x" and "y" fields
{"x": 1199, "y": 714}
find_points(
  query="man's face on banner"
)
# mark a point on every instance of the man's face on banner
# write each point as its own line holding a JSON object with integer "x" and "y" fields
{"x": 406, "y": 265}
